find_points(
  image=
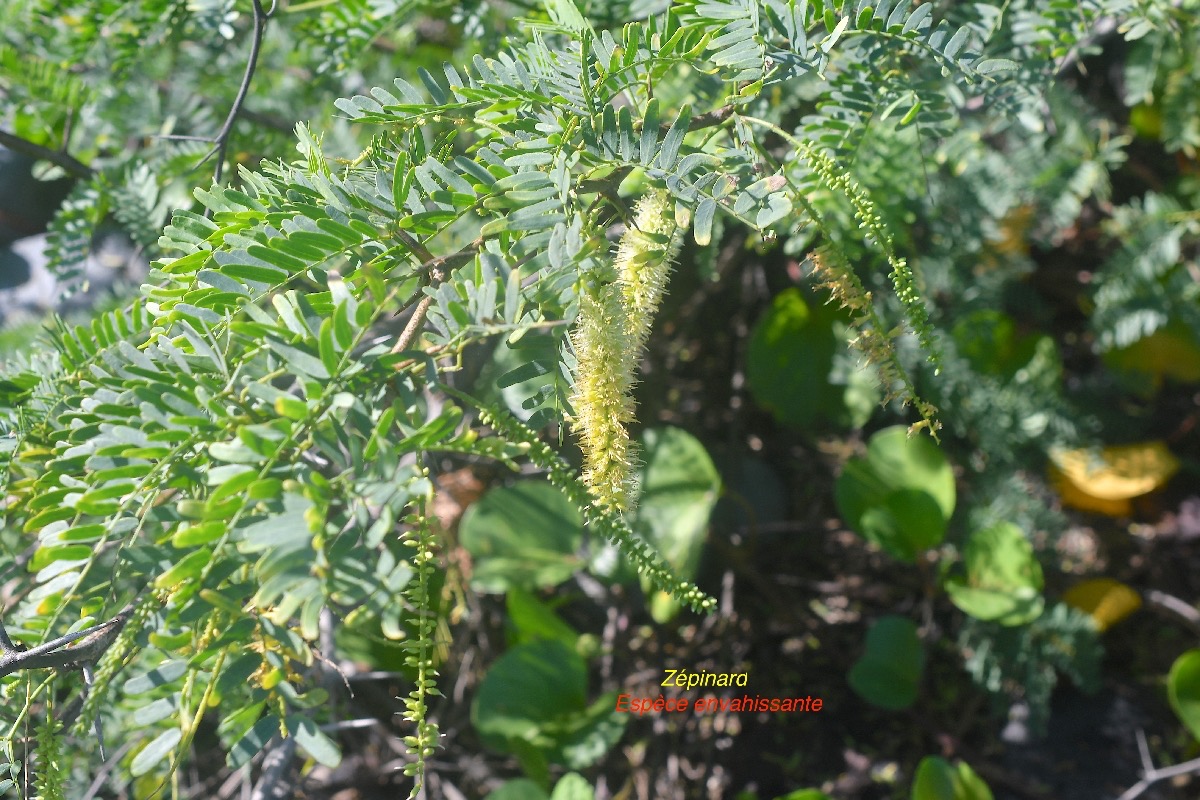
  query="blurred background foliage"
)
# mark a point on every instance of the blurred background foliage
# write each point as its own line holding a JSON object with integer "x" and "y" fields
{"x": 933, "y": 594}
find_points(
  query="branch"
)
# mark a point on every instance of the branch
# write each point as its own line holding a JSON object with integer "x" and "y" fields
{"x": 56, "y": 654}
{"x": 708, "y": 119}
{"x": 1151, "y": 774}
{"x": 274, "y": 784}
{"x": 221, "y": 140}
{"x": 436, "y": 268}
{"x": 1174, "y": 607}
{"x": 414, "y": 325}
{"x": 57, "y": 157}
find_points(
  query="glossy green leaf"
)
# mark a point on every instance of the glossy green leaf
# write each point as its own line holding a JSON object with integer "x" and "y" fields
{"x": 938, "y": 779}
{"x": 907, "y": 523}
{"x": 533, "y": 620}
{"x": 526, "y": 535}
{"x": 573, "y": 786}
{"x": 1183, "y": 690}
{"x": 793, "y": 368}
{"x": 530, "y": 687}
{"x": 880, "y": 496}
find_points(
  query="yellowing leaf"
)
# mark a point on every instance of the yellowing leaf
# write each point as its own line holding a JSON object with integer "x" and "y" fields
{"x": 1171, "y": 352}
{"x": 1106, "y": 481}
{"x": 1075, "y": 497}
{"x": 1105, "y": 600}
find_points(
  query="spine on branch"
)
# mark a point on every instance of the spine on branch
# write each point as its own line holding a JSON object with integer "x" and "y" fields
{"x": 610, "y": 334}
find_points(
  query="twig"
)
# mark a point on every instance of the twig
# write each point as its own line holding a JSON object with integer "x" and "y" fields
{"x": 705, "y": 120}
{"x": 414, "y": 325}
{"x": 106, "y": 768}
{"x": 221, "y": 140}
{"x": 57, "y": 157}
{"x": 436, "y": 267}
{"x": 274, "y": 784}
{"x": 1175, "y": 607}
{"x": 56, "y": 654}
{"x": 350, "y": 725}
{"x": 1152, "y": 775}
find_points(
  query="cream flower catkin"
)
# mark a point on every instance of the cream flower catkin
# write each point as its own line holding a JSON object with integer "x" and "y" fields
{"x": 609, "y": 336}
{"x": 643, "y": 262}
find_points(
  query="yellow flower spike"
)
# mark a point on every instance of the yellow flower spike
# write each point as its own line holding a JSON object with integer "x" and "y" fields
{"x": 611, "y": 332}
{"x": 602, "y": 402}
{"x": 643, "y": 262}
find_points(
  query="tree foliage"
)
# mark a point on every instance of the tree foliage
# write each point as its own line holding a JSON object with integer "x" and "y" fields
{"x": 206, "y": 483}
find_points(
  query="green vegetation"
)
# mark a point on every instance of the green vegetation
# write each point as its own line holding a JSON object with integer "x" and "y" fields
{"x": 493, "y": 359}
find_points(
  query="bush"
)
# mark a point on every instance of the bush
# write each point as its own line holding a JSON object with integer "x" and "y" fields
{"x": 224, "y": 489}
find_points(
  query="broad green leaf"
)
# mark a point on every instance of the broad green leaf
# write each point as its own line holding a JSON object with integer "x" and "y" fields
{"x": 877, "y": 496}
{"x": 530, "y": 687}
{"x": 534, "y": 620}
{"x": 1183, "y": 690}
{"x": 938, "y": 779}
{"x": 906, "y": 524}
{"x": 526, "y": 535}
{"x": 155, "y": 752}
{"x": 519, "y": 789}
{"x": 585, "y": 738}
{"x": 889, "y": 672}
{"x": 573, "y": 786}
{"x": 793, "y": 370}
{"x": 1003, "y": 581}
{"x": 679, "y": 487}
